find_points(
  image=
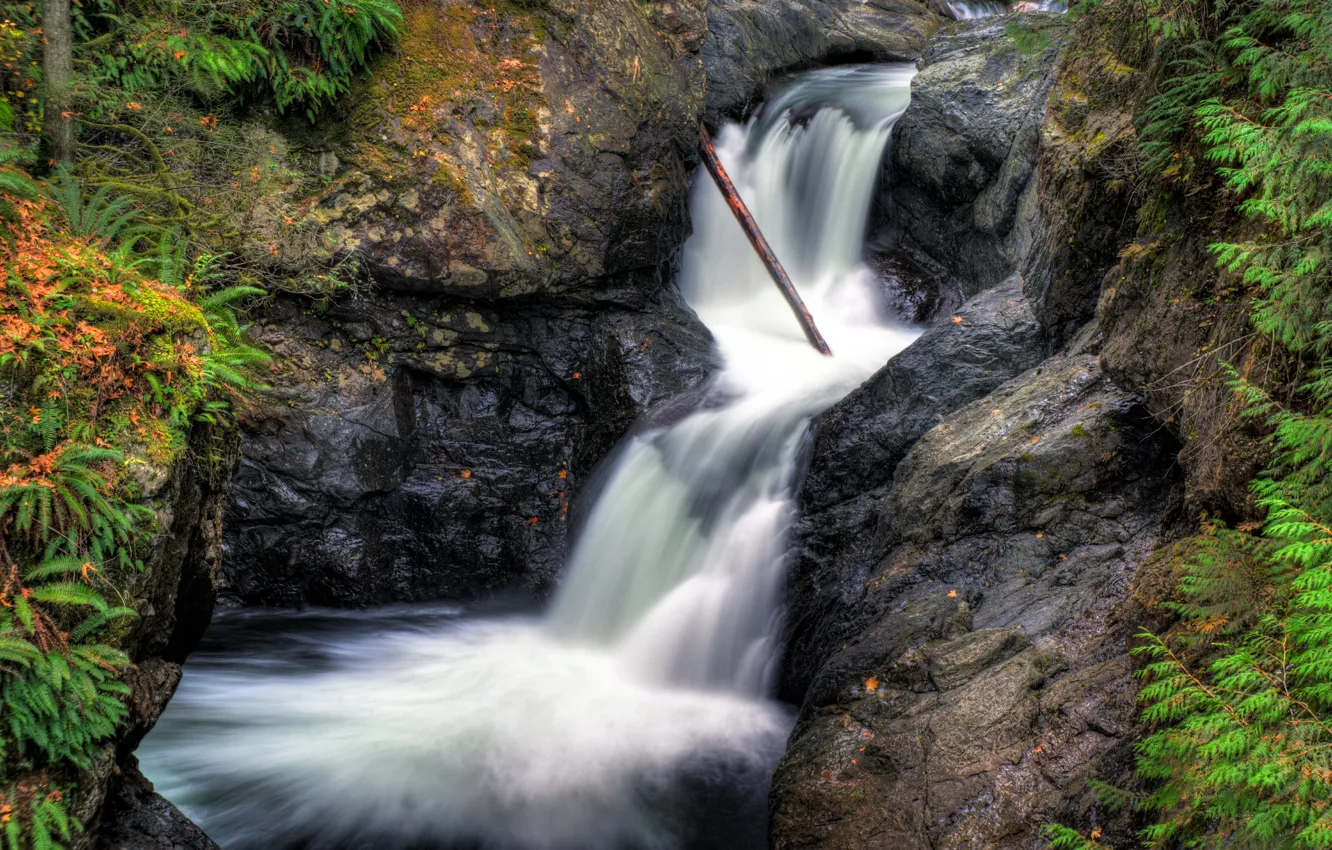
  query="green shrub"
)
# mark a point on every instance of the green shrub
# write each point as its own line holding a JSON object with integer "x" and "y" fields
{"x": 296, "y": 53}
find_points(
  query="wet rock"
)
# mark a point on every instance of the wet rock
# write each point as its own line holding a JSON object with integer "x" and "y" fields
{"x": 138, "y": 818}
{"x": 750, "y": 40}
{"x": 911, "y": 293}
{"x": 960, "y": 357}
{"x": 413, "y": 451}
{"x": 858, "y": 444}
{"x": 964, "y": 152}
{"x": 977, "y": 677}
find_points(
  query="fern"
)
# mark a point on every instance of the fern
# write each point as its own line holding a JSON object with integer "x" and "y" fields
{"x": 1238, "y": 698}
{"x": 45, "y": 823}
{"x": 299, "y": 53}
{"x": 1064, "y": 838}
{"x": 101, "y": 216}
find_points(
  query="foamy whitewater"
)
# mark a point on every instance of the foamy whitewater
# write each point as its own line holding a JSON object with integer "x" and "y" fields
{"x": 966, "y": 10}
{"x": 645, "y": 687}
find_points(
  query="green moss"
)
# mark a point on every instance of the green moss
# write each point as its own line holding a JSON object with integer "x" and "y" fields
{"x": 463, "y": 58}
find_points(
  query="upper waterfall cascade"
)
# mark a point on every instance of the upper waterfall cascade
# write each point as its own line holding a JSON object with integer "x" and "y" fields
{"x": 655, "y": 660}
{"x": 965, "y": 10}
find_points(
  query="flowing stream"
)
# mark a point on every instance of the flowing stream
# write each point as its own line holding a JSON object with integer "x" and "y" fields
{"x": 635, "y": 712}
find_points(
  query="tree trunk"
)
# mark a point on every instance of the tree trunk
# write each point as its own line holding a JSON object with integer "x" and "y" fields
{"x": 57, "y": 69}
{"x": 747, "y": 223}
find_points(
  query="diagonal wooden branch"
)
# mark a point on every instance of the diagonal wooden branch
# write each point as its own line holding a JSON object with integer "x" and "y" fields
{"x": 774, "y": 266}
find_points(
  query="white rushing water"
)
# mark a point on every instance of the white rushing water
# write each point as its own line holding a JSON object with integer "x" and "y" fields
{"x": 965, "y": 10}
{"x": 593, "y": 726}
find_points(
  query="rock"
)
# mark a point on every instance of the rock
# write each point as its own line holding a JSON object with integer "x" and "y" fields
{"x": 858, "y": 444}
{"x": 1174, "y": 325}
{"x": 750, "y": 40}
{"x": 965, "y": 150}
{"x": 413, "y": 451}
{"x": 910, "y": 292}
{"x": 513, "y": 149}
{"x": 1167, "y": 317}
{"x": 962, "y": 356}
{"x": 1086, "y": 146}
{"x": 979, "y": 677}
{"x": 138, "y": 818}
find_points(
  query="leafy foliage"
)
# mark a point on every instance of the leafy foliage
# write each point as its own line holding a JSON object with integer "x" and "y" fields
{"x": 298, "y": 53}
{"x": 115, "y": 343}
{"x": 1242, "y": 752}
{"x": 1239, "y": 696}
{"x": 121, "y": 276}
{"x": 35, "y": 819}
{"x": 101, "y": 215}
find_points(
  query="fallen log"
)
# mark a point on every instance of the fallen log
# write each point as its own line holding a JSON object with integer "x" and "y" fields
{"x": 747, "y": 223}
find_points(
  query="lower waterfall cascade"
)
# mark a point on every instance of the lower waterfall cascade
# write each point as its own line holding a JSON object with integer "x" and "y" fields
{"x": 602, "y": 723}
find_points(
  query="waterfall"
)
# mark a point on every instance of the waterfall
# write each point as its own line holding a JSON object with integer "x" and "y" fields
{"x": 645, "y": 687}
{"x": 965, "y": 10}
{"x": 692, "y": 594}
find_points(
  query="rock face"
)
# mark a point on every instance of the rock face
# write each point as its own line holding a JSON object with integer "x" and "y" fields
{"x": 513, "y": 183}
{"x": 858, "y": 444}
{"x": 516, "y": 148}
{"x": 436, "y": 457}
{"x": 1173, "y": 324}
{"x": 975, "y": 517}
{"x": 981, "y": 676}
{"x": 137, "y": 818}
{"x": 750, "y": 40}
{"x": 964, "y": 153}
